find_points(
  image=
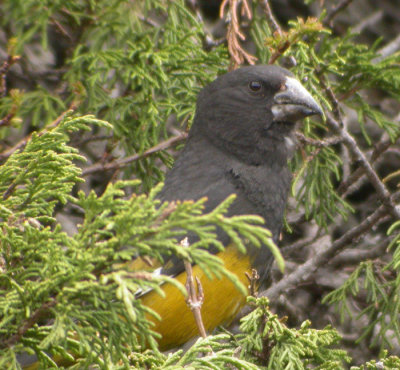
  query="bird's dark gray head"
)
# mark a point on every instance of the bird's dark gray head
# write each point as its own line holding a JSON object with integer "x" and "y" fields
{"x": 252, "y": 110}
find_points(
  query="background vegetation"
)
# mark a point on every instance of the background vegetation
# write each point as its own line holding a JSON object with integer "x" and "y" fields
{"x": 95, "y": 96}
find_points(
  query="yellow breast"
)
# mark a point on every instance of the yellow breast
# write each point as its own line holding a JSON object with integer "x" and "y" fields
{"x": 222, "y": 301}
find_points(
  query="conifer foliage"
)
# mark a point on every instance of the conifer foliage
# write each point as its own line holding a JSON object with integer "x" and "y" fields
{"x": 95, "y": 96}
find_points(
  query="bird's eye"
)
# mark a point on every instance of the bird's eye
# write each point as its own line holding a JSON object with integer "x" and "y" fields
{"x": 255, "y": 86}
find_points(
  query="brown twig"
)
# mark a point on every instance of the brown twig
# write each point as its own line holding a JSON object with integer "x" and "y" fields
{"x": 6, "y": 121}
{"x": 171, "y": 207}
{"x": 234, "y": 34}
{"x": 117, "y": 164}
{"x": 11, "y": 59}
{"x": 61, "y": 29}
{"x": 277, "y": 30}
{"x": 28, "y": 323}
{"x": 208, "y": 39}
{"x": 307, "y": 159}
{"x": 195, "y": 297}
{"x": 278, "y": 52}
{"x": 92, "y": 138}
{"x": 318, "y": 143}
{"x": 253, "y": 280}
{"x": 270, "y": 18}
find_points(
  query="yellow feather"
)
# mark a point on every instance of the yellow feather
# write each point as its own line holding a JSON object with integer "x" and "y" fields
{"x": 222, "y": 302}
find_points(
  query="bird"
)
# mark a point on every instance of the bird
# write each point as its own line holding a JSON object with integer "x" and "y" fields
{"x": 240, "y": 143}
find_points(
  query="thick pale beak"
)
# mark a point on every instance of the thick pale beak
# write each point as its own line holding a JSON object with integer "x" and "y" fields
{"x": 294, "y": 102}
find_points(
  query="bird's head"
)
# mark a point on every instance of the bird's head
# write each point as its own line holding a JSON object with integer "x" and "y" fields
{"x": 252, "y": 110}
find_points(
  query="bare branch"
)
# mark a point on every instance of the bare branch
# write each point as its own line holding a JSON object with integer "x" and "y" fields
{"x": 355, "y": 256}
{"x": 92, "y": 138}
{"x": 359, "y": 156}
{"x": 301, "y": 243}
{"x": 336, "y": 124}
{"x": 253, "y": 281}
{"x": 195, "y": 297}
{"x": 270, "y": 18}
{"x": 303, "y": 272}
{"x": 119, "y": 163}
{"x": 318, "y": 143}
{"x": 347, "y": 185}
{"x": 6, "y": 121}
{"x": 11, "y": 59}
